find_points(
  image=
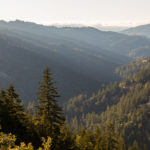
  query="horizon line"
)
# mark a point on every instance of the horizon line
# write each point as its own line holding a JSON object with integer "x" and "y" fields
{"x": 103, "y": 24}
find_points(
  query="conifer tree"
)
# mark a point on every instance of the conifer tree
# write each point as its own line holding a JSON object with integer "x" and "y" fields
{"x": 17, "y": 106}
{"x": 3, "y": 108}
{"x": 49, "y": 114}
{"x": 134, "y": 146}
{"x": 111, "y": 137}
{"x": 14, "y": 118}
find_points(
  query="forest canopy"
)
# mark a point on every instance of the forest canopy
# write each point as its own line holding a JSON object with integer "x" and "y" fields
{"x": 114, "y": 118}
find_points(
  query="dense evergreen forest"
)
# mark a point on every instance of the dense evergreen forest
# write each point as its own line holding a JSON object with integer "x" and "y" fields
{"x": 44, "y": 124}
{"x": 117, "y": 117}
{"x": 126, "y": 104}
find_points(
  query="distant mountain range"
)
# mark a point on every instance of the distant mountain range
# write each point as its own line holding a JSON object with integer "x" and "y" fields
{"x": 81, "y": 59}
{"x": 110, "y": 28}
{"x": 143, "y": 30}
{"x": 111, "y": 41}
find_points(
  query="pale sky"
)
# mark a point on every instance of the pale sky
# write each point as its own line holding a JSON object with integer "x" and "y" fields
{"x": 115, "y": 12}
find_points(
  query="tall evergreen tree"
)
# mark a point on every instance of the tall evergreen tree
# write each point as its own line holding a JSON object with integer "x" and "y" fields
{"x": 49, "y": 114}
{"x": 111, "y": 137}
{"x": 14, "y": 118}
{"x": 15, "y": 102}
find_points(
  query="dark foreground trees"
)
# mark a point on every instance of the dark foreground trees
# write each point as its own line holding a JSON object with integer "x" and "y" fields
{"x": 44, "y": 125}
{"x": 13, "y": 116}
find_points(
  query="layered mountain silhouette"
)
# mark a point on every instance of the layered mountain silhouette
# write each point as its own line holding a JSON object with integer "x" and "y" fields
{"x": 142, "y": 30}
{"x": 81, "y": 59}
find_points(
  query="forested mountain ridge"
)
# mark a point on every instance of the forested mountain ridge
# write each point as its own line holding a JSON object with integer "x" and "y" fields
{"x": 112, "y": 41}
{"x": 126, "y": 104}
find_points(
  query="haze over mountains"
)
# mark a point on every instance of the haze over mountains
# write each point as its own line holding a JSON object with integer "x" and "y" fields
{"x": 82, "y": 59}
{"x": 110, "y": 27}
{"x": 143, "y": 30}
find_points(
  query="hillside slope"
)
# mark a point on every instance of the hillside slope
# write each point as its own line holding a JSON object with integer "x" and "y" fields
{"x": 77, "y": 66}
{"x": 126, "y": 104}
{"x": 112, "y": 41}
{"x": 82, "y": 59}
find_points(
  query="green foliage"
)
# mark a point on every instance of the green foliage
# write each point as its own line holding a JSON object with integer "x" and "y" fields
{"x": 66, "y": 139}
{"x": 7, "y": 142}
{"x": 134, "y": 146}
{"x": 128, "y": 71}
{"x": 125, "y": 104}
{"x": 114, "y": 118}
{"x": 13, "y": 116}
{"x": 46, "y": 144}
{"x": 49, "y": 114}
{"x": 77, "y": 107}
{"x": 105, "y": 139}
